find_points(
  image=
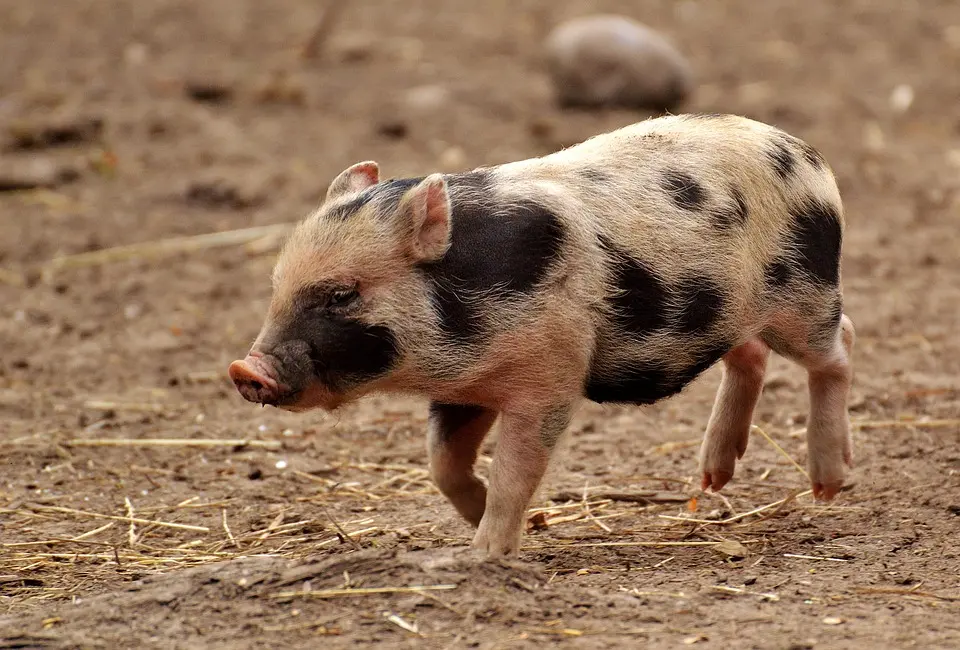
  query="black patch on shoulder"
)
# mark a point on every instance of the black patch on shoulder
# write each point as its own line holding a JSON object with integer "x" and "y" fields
{"x": 451, "y": 418}
{"x": 647, "y": 384}
{"x": 783, "y": 159}
{"x": 816, "y": 240}
{"x": 640, "y": 301}
{"x": 499, "y": 249}
{"x": 701, "y": 304}
{"x": 735, "y": 214}
{"x": 777, "y": 274}
{"x": 594, "y": 175}
{"x": 685, "y": 192}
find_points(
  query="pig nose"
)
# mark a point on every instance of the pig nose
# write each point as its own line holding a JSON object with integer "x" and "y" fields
{"x": 253, "y": 384}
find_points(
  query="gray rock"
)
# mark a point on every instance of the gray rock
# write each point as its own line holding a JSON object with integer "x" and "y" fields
{"x": 608, "y": 60}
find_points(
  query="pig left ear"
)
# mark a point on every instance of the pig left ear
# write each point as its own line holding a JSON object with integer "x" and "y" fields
{"x": 427, "y": 208}
{"x": 353, "y": 179}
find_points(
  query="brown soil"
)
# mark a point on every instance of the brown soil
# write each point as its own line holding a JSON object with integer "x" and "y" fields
{"x": 161, "y": 118}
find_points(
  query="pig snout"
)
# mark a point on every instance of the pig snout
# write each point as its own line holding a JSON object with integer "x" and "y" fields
{"x": 254, "y": 380}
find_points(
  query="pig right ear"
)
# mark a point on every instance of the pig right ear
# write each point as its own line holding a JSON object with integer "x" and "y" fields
{"x": 354, "y": 179}
{"x": 426, "y": 207}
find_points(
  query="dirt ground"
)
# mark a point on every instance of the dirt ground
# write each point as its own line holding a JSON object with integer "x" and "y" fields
{"x": 174, "y": 118}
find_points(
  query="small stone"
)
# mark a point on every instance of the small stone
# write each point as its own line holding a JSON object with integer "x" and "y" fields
{"x": 394, "y": 129}
{"x": 63, "y": 131}
{"x": 609, "y": 60}
{"x": 452, "y": 159}
{"x": 208, "y": 92}
{"x": 34, "y": 174}
{"x": 901, "y": 99}
{"x": 430, "y": 97}
{"x": 281, "y": 464}
{"x": 832, "y": 620}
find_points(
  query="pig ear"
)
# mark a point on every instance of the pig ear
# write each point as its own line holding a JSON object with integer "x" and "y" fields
{"x": 354, "y": 179}
{"x": 427, "y": 206}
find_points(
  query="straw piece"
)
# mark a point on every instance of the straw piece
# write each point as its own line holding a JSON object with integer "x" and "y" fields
{"x": 780, "y": 449}
{"x": 97, "y": 515}
{"x": 905, "y": 592}
{"x": 135, "y": 407}
{"x": 648, "y": 498}
{"x": 920, "y": 424}
{"x": 271, "y": 445}
{"x": 163, "y": 247}
{"x": 332, "y": 10}
{"x": 360, "y": 591}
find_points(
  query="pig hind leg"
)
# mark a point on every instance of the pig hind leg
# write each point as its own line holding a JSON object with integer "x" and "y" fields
{"x": 729, "y": 426}
{"x": 824, "y": 347}
{"x": 453, "y": 441}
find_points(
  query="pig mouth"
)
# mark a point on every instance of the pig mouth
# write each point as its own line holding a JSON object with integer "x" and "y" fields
{"x": 258, "y": 381}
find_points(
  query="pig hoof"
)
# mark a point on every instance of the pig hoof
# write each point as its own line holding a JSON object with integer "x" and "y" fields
{"x": 715, "y": 479}
{"x": 826, "y": 491}
{"x": 490, "y": 548}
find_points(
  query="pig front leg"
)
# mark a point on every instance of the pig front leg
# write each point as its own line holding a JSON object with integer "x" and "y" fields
{"x": 453, "y": 440}
{"x": 519, "y": 463}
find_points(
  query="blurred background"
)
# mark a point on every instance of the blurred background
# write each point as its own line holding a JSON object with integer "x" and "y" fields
{"x": 125, "y": 124}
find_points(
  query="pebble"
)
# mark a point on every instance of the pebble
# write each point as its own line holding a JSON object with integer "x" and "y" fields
{"x": 34, "y": 174}
{"x": 609, "y": 60}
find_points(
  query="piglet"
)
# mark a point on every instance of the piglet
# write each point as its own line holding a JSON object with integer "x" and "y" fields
{"x": 614, "y": 271}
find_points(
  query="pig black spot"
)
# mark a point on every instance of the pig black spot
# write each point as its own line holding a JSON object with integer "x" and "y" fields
{"x": 595, "y": 175}
{"x": 685, "y": 192}
{"x": 783, "y": 159}
{"x": 642, "y": 384}
{"x": 499, "y": 249}
{"x": 640, "y": 297}
{"x": 811, "y": 155}
{"x": 648, "y": 383}
{"x": 777, "y": 274}
{"x": 701, "y": 304}
{"x": 816, "y": 240}
{"x": 451, "y": 418}
{"x": 734, "y": 214}
{"x": 385, "y": 195}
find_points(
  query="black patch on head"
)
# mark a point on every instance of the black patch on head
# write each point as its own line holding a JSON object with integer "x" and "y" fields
{"x": 783, "y": 159}
{"x": 499, "y": 249}
{"x": 685, "y": 192}
{"x": 344, "y": 211}
{"x": 648, "y": 383}
{"x": 451, "y": 418}
{"x": 640, "y": 302}
{"x": 777, "y": 274}
{"x": 735, "y": 214}
{"x": 595, "y": 175}
{"x": 342, "y": 351}
{"x": 816, "y": 240}
{"x": 385, "y": 195}
{"x": 701, "y": 304}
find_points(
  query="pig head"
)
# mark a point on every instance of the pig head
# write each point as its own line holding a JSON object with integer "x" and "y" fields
{"x": 334, "y": 327}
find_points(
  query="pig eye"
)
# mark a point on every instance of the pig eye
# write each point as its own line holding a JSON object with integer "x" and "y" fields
{"x": 342, "y": 297}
